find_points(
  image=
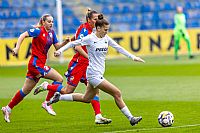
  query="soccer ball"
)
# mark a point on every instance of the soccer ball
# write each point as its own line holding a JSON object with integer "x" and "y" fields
{"x": 166, "y": 118}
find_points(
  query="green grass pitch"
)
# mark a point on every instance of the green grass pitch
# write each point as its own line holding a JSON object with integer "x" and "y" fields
{"x": 157, "y": 85}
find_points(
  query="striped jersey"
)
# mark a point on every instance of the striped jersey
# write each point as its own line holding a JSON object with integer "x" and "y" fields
{"x": 42, "y": 41}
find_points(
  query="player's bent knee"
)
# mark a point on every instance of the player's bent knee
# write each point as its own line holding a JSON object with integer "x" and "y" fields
{"x": 117, "y": 94}
{"x": 86, "y": 100}
{"x": 64, "y": 91}
{"x": 60, "y": 79}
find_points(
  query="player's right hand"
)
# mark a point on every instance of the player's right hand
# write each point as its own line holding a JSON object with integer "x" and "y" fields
{"x": 68, "y": 39}
{"x": 139, "y": 59}
{"x": 15, "y": 51}
{"x": 57, "y": 53}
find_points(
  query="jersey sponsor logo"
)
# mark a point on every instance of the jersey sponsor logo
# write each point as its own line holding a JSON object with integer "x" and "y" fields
{"x": 43, "y": 35}
{"x": 101, "y": 49}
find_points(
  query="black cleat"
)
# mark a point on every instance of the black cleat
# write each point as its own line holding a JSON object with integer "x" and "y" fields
{"x": 176, "y": 57}
{"x": 135, "y": 120}
{"x": 191, "y": 56}
{"x": 54, "y": 99}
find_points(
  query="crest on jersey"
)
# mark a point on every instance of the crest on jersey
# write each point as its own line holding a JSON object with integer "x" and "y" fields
{"x": 51, "y": 35}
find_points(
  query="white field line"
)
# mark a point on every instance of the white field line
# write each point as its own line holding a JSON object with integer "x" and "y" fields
{"x": 148, "y": 129}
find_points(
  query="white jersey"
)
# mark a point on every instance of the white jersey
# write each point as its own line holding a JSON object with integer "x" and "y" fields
{"x": 97, "y": 49}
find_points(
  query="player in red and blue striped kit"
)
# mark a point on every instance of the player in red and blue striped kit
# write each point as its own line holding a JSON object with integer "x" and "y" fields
{"x": 77, "y": 68}
{"x": 43, "y": 38}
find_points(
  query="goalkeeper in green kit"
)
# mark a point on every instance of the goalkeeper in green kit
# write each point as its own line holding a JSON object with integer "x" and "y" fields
{"x": 180, "y": 31}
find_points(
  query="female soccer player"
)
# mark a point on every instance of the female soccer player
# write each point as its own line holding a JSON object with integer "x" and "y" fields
{"x": 43, "y": 37}
{"x": 97, "y": 47}
{"x": 77, "y": 68}
{"x": 181, "y": 32}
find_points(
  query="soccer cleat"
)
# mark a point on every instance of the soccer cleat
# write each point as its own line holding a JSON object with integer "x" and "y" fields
{"x": 6, "y": 114}
{"x": 176, "y": 58}
{"x": 48, "y": 108}
{"x": 102, "y": 121}
{"x": 40, "y": 88}
{"x": 135, "y": 120}
{"x": 54, "y": 99}
{"x": 191, "y": 56}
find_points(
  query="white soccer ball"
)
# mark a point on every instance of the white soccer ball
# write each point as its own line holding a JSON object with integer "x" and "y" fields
{"x": 166, "y": 118}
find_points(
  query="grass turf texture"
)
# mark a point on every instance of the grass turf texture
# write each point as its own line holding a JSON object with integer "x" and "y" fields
{"x": 160, "y": 84}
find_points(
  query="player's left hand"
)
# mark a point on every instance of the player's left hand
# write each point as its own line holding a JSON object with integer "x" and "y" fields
{"x": 57, "y": 53}
{"x": 139, "y": 59}
{"x": 68, "y": 39}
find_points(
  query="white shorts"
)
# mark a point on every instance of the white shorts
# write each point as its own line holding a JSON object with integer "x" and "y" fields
{"x": 95, "y": 80}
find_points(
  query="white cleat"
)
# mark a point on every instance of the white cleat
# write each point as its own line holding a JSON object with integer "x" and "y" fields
{"x": 49, "y": 108}
{"x": 6, "y": 114}
{"x": 102, "y": 120}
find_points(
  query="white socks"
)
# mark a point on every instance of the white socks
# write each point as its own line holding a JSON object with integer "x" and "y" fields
{"x": 66, "y": 97}
{"x": 126, "y": 112}
{"x": 98, "y": 116}
{"x": 45, "y": 84}
{"x": 8, "y": 108}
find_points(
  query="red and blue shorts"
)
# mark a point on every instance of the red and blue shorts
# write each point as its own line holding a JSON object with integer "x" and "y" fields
{"x": 76, "y": 73}
{"x": 37, "y": 68}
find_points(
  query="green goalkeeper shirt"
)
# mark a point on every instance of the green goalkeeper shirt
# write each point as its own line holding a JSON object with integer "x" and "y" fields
{"x": 180, "y": 21}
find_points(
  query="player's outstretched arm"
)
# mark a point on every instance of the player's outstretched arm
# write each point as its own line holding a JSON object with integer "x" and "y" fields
{"x": 81, "y": 51}
{"x": 123, "y": 51}
{"x": 19, "y": 42}
{"x": 67, "y": 40}
{"x": 67, "y": 46}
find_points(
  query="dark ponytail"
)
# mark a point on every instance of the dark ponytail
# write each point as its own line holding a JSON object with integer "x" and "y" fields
{"x": 89, "y": 14}
{"x": 100, "y": 16}
{"x": 101, "y": 21}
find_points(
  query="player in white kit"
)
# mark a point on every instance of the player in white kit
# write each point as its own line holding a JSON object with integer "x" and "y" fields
{"x": 97, "y": 47}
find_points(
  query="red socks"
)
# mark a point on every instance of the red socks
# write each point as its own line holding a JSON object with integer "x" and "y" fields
{"x": 54, "y": 87}
{"x": 50, "y": 95}
{"x": 16, "y": 99}
{"x": 96, "y": 106}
